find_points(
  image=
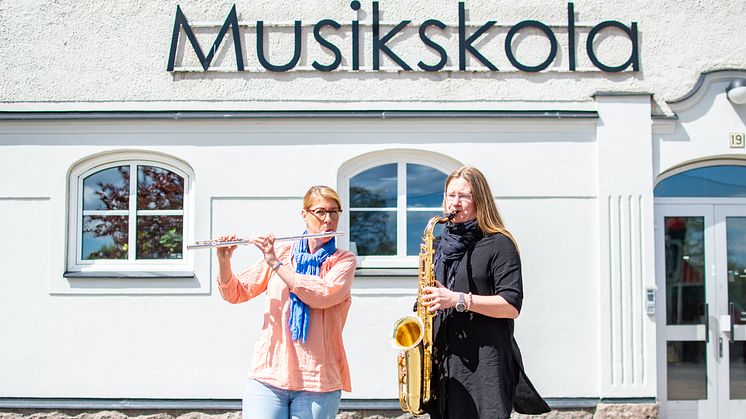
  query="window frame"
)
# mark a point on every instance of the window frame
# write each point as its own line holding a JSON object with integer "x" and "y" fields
{"x": 131, "y": 267}
{"x": 432, "y": 160}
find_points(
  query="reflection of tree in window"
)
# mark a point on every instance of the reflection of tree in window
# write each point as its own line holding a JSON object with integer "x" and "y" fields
{"x": 111, "y": 229}
{"x": 106, "y": 190}
{"x": 363, "y": 197}
{"x": 736, "y": 248}
{"x": 374, "y": 232}
{"x": 158, "y": 236}
{"x": 685, "y": 294}
{"x": 375, "y": 187}
{"x": 380, "y": 211}
{"x": 159, "y": 189}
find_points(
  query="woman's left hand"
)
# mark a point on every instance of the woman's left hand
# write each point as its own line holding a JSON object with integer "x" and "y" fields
{"x": 266, "y": 243}
{"x": 438, "y": 297}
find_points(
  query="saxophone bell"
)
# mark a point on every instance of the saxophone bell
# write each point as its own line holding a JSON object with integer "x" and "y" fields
{"x": 407, "y": 333}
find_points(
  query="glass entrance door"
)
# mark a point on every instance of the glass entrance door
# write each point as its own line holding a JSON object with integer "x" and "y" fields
{"x": 731, "y": 230}
{"x": 701, "y": 280}
{"x": 686, "y": 366}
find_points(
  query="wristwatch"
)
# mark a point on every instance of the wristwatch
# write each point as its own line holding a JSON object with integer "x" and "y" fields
{"x": 461, "y": 305}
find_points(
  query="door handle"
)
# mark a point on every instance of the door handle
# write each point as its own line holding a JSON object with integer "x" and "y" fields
{"x": 732, "y": 309}
{"x": 707, "y": 323}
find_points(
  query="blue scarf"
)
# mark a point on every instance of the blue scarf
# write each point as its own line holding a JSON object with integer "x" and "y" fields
{"x": 306, "y": 264}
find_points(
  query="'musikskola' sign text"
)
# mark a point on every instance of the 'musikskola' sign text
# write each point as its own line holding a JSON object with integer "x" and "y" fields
{"x": 466, "y": 43}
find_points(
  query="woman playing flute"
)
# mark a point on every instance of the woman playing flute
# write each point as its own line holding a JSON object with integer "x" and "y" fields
{"x": 299, "y": 366}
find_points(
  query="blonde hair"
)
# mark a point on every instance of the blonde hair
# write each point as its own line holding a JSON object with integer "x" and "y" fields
{"x": 320, "y": 191}
{"x": 488, "y": 217}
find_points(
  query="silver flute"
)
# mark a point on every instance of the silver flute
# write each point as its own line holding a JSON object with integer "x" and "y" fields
{"x": 207, "y": 244}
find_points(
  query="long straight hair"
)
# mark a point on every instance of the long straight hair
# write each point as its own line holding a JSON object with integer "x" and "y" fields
{"x": 488, "y": 217}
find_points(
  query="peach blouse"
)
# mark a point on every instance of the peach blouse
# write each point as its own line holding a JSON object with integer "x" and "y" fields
{"x": 321, "y": 363}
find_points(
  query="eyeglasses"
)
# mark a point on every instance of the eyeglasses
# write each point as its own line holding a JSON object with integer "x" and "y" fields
{"x": 321, "y": 213}
{"x": 461, "y": 197}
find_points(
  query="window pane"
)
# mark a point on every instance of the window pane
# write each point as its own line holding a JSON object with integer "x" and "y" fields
{"x": 738, "y": 370}
{"x": 712, "y": 181}
{"x": 736, "y": 249}
{"x": 159, "y": 189}
{"x": 374, "y": 188}
{"x": 424, "y": 186}
{"x": 735, "y": 228}
{"x": 159, "y": 237}
{"x": 687, "y": 371}
{"x": 685, "y": 270}
{"x": 373, "y": 232}
{"x": 107, "y": 189}
{"x": 104, "y": 237}
{"x": 416, "y": 222}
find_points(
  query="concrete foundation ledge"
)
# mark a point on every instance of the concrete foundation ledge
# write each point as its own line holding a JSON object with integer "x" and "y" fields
{"x": 626, "y": 410}
{"x": 85, "y": 409}
{"x": 605, "y": 411}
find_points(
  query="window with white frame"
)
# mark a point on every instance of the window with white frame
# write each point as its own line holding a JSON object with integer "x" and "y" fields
{"x": 389, "y": 206}
{"x": 130, "y": 215}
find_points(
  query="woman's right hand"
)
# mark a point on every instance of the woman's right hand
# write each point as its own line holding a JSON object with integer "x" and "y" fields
{"x": 438, "y": 297}
{"x": 225, "y": 253}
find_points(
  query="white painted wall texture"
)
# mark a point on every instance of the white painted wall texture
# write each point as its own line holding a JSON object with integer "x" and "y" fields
{"x": 124, "y": 342}
{"x": 62, "y": 55}
{"x": 577, "y": 193}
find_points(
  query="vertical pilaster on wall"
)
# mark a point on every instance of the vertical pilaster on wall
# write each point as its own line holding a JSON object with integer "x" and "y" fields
{"x": 626, "y": 253}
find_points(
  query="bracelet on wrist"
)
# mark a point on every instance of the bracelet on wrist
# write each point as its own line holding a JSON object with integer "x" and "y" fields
{"x": 276, "y": 265}
{"x": 468, "y": 304}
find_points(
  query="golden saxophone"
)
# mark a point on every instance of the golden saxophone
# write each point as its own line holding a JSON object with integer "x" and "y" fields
{"x": 413, "y": 335}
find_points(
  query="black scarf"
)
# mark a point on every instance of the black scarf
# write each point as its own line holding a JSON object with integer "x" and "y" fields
{"x": 454, "y": 242}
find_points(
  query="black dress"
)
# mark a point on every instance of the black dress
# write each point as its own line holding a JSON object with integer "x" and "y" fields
{"x": 478, "y": 371}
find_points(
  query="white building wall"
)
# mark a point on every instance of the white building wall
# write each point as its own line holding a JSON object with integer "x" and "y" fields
{"x": 113, "y": 55}
{"x": 706, "y": 118}
{"x": 627, "y": 266}
{"x": 84, "y": 338}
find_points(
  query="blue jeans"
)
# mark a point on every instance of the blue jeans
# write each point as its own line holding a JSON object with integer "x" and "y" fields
{"x": 263, "y": 401}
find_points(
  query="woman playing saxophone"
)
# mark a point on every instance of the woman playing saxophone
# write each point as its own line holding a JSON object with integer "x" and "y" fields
{"x": 478, "y": 372}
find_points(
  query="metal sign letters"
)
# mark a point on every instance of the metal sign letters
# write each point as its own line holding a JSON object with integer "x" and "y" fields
{"x": 380, "y": 38}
